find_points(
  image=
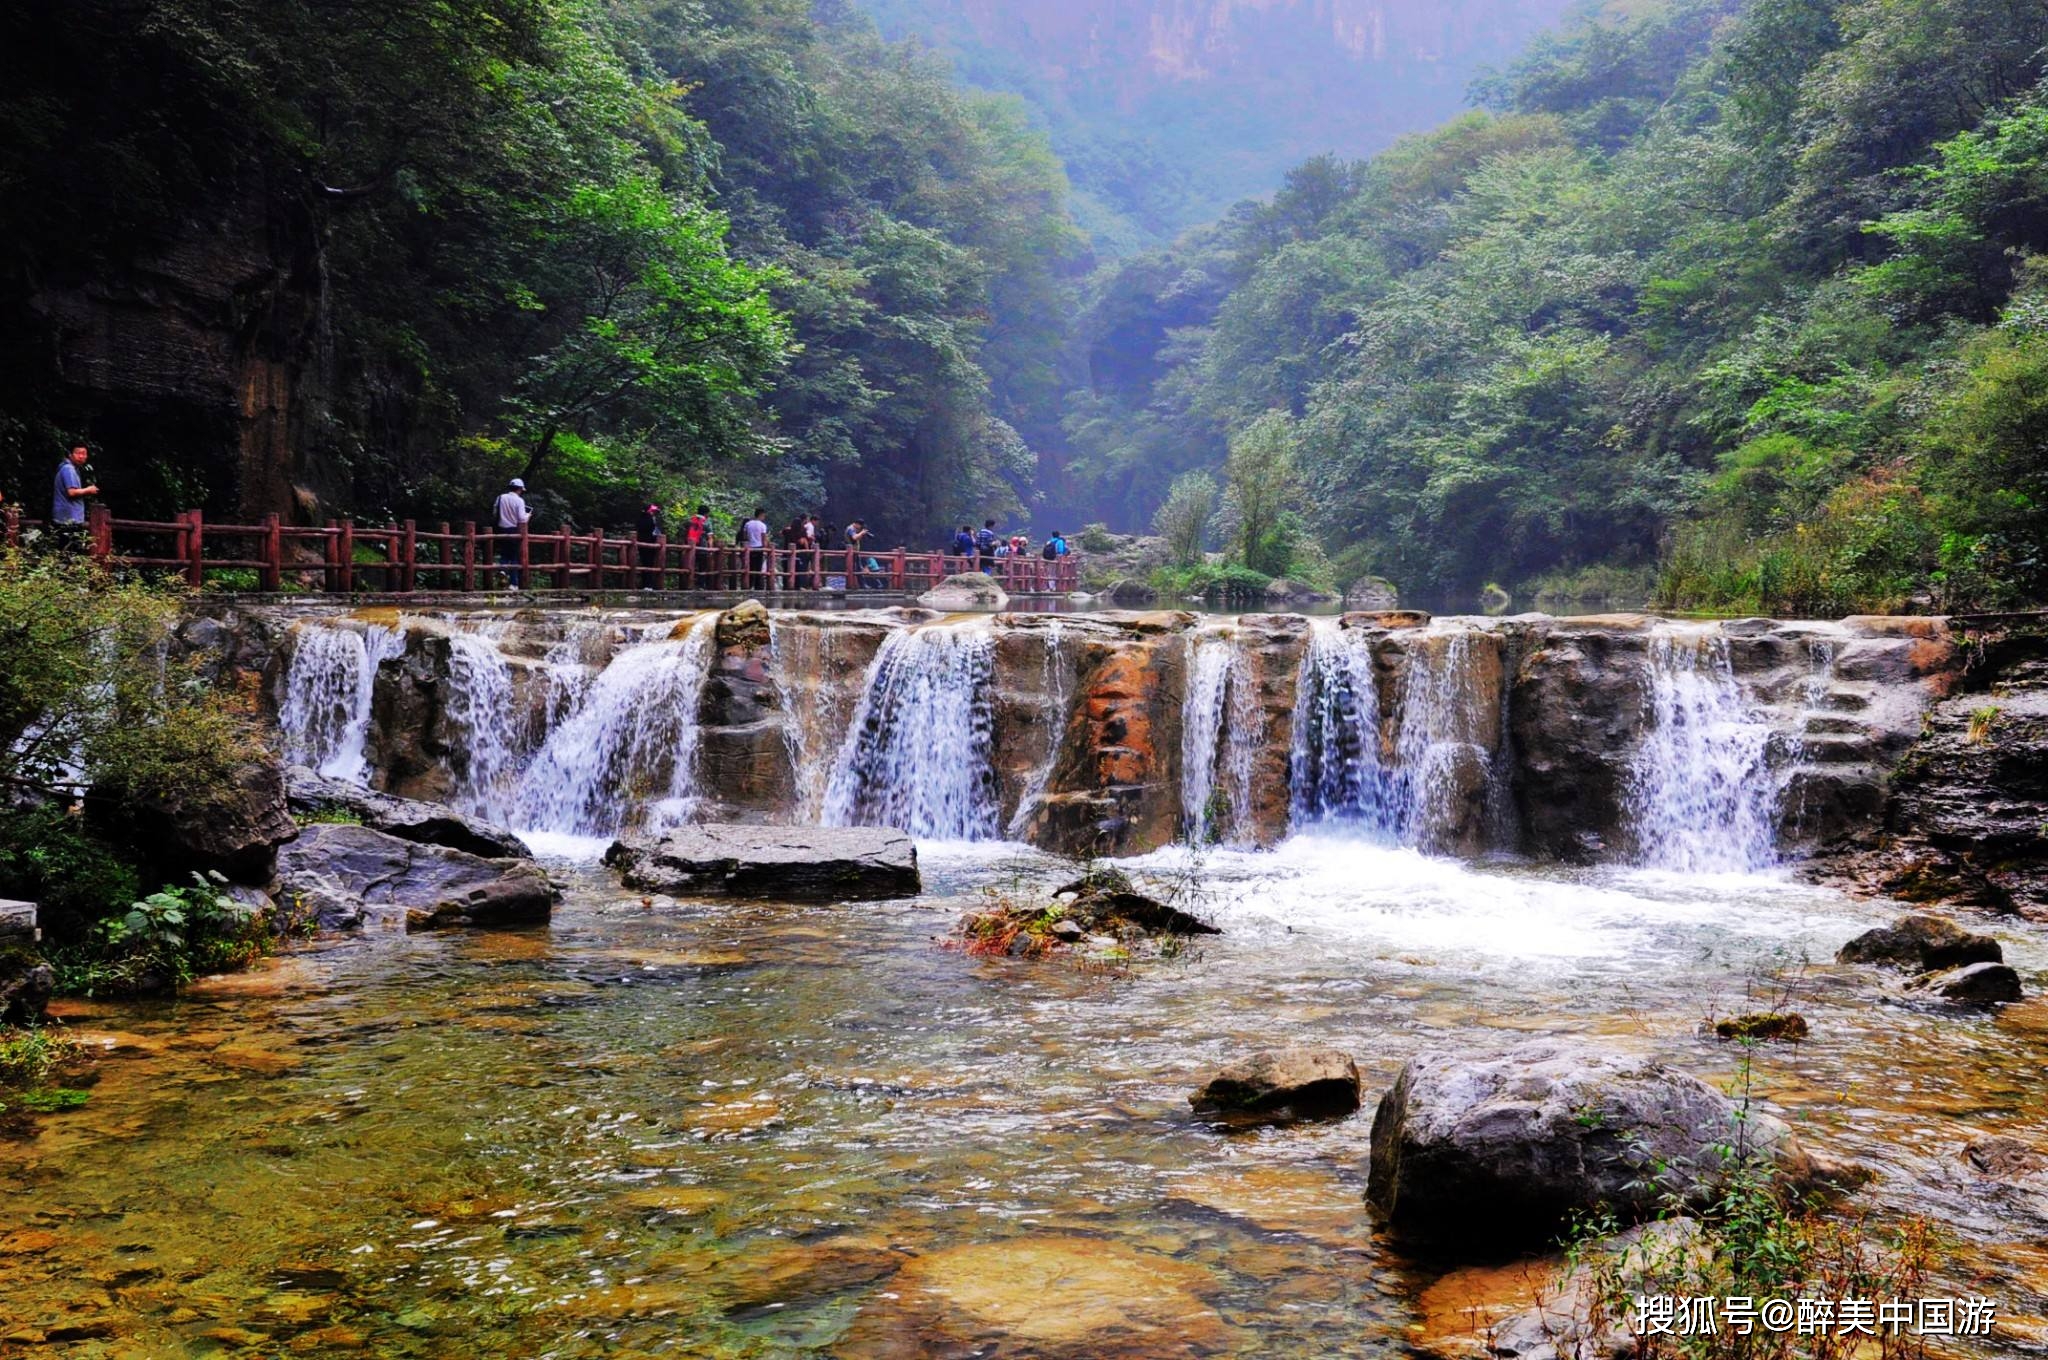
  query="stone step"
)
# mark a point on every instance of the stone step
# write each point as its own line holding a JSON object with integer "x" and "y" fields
{"x": 1823, "y": 725}
{"x": 18, "y": 921}
{"x": 1827, "y": 749}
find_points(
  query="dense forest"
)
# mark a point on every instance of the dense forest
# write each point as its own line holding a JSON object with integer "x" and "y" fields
{"x": 378, "y": 257}
{"x": 1729, "y": 301}
{"x": 1745, "y": 288}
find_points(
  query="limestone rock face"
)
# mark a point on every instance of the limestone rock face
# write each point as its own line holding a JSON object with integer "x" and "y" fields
{"x": 1281, "y": 1086}
{"x": 967, "y": 590}
{"x": 235, "y": 830}
{"x": 821, "y": 864}
{"x": 1272, "y": 646}
{"x": 743, "y": 754}
{"x": 1479, "y": 1155}
{"x": 1969, "y": 801}
{"x": 1575, "y": 711}
{"x": 345, "y": 876}
{"x": 1920, "y": 944}
{"x": 405, "y": 818}
{"x": 1115, "y": 786}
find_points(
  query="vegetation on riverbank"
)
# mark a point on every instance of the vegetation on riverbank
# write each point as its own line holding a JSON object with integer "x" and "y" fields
{"x": 41, "y": 1071}
{"x": 99, "y": 725}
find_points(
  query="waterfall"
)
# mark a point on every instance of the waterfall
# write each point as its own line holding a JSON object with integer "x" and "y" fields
{"x": 1219, "y": 741}
{"x": 1057, "y": 684}
{"x": 627, "y": 751}
{"x": 1441, "y": 752}
{"x": 919, "y": 753}
{"x": 484, "y": 737}
{"x": 329, "y": 686}
{"x": 1336, "y": 772}
{"x": 1418, "y": 787}
{"x": 1702, "y": 797}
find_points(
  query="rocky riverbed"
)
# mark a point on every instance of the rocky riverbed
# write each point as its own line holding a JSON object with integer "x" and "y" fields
{"x": 723, "y": 1127}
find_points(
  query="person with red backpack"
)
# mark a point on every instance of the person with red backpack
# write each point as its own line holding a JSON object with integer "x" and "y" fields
{"x": 697, "y": 536}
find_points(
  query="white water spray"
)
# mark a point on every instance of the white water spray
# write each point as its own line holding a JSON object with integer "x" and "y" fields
{"x": 329, "y": 688}
{"x": 1702, "y": 795}
{"x": 919, "y": 754}
{"x": 1220, "y": 723}
{"x": 627, "y": 752}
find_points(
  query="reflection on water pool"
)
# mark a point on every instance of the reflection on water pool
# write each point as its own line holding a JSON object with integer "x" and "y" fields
{"x": 764, "y": 1130}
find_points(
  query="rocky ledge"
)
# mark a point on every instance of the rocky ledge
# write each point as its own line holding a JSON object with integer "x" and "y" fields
{"x": 808, "y": 864}
{"x": 343, "y": 877}
{"x": 408, "y": 819}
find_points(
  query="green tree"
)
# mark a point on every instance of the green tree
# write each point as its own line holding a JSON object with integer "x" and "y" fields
{"x": 1183, "y": 520}
{"x": 1262, "y": 492}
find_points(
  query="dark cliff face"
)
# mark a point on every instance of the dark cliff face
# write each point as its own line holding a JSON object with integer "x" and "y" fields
{"x": 1221, "y": 97}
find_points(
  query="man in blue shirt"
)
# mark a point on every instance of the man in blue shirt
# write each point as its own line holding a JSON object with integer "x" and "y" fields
{"x": 67, "y": 501}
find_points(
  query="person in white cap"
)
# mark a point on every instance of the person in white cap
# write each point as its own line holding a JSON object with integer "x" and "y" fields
{"x": 511, "y": 517}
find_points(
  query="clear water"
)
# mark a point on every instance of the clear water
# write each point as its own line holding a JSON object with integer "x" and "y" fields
{"x": 747, "y": 1129}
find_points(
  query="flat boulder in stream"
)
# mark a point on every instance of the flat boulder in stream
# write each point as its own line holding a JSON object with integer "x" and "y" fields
{"x": 409, "y": 819}
{"x": 343, "y": 876}
{"x": 1281, "y": 1086}
{"x": 1920, "y": 943}
{"x": 1479, "y": 1156}
{"x": 805, "y": 864}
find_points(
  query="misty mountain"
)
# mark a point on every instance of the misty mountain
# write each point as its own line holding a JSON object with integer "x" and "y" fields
{"x": 1168, "y": 111}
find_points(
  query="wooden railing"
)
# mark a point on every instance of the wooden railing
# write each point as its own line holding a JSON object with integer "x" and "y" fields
{"x": 344, "y": 558}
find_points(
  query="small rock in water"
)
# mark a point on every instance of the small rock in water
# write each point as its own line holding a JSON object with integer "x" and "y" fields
{"x": 1768, "y": 1025}
{"x": 829, "y": 864}
{"x": 1921, "y": 943}
{"x": 1282, "y": 1086}
{"x": 2005, "y": 1159}
{"x": 1979, "y": 984}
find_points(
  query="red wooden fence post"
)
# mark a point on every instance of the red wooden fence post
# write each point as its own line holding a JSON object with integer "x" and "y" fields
{"x": 273, "y": 553}
{"x": 562, "y": 562}
{"x": 444, "y": 558}
{"x": 897, "y": 573}
{"x": 195, "y": 540}
{"x": 11, "y": 517}
{"x": 345, "y": 556}
{"x": 100, "y": 534}
{"x": 468, "y": 555}
{"x": 525, "y": 557}
{"x": 661, "y": 559}
{"x": 408, "y": 558}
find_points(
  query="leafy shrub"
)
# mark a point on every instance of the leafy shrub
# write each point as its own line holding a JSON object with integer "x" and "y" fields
{"x": 50, "y": 857}
{"x": 1097, "y": 538}
{"x": 1223, "y": 584}
{"x": 162, "y": 941}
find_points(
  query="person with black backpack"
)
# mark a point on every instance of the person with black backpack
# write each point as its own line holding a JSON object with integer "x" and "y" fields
{"x": 963, "y": 547}
{"x": 985, "y": 546}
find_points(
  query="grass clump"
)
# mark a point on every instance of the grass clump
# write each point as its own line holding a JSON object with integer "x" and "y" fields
{"x": 35, "y": 1062}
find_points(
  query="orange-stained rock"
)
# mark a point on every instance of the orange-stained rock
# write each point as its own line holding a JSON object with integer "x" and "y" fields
{"x": 1115, "y": 783}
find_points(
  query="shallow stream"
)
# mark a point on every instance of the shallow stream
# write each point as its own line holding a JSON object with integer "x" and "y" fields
{"x": 764, "y": 1130}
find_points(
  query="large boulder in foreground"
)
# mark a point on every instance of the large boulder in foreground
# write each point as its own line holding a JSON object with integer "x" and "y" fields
{"x": 1920, "y": 943}
{"x": 968, "y": 590}
{"x": 805, "y": 864}
{"x": 1281, "y": 1086}
{"x": 344, "y": 876}
{"x": 234, "y": 828}
{"x": 1478, "y": 1156}
{"x": 312, "y": 794}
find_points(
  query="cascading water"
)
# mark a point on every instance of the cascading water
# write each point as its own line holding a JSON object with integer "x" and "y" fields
{"x": 1336, "y": 772}
{"x": 1058, "y": 684}
{"x": 1219, "y": 741}
{"x": 484, "y": 732}
{"x": 627, "y": 753}
{"x": 919, "y": 753}
{"x": 1702, "y": 795}
{"x": 332, "y": 679}
{"x": 1415, "y": 789}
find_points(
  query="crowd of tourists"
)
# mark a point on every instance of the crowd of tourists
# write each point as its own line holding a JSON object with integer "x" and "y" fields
{"x": 812, "y": 556}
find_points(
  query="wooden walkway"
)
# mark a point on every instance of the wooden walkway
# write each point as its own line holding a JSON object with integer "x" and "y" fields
{"x": 345, "y": 558}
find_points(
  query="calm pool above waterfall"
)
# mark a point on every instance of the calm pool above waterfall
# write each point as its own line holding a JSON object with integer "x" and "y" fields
{"x": 756, "y": 1130}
